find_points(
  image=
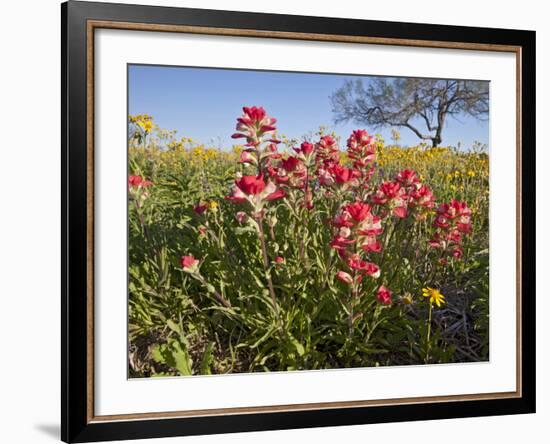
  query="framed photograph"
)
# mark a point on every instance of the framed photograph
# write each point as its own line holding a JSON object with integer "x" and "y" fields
{"x": 275, "y": 221}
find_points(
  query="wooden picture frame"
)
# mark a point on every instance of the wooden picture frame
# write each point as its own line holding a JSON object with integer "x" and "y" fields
{"x": 79, "y": 22}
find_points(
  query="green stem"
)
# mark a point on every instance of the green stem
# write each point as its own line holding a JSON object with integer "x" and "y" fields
{"x": 215, "y": 292}
{"x": 428, "y": 345}
{"x": 353, "y": 293}
{"x": 137, "y": 204}
{"x": 433, "y": 272}
{"x": 371, "y": 327}
{"x": 332, "y": 214}
{"x": 387, "y": 240}
{"x": 265, "y": 257}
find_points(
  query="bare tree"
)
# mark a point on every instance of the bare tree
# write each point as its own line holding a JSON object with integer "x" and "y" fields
{"x": 421, "y": 105}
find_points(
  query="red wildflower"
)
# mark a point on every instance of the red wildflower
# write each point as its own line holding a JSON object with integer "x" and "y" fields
{"x": 407, "y": 178}
{"x": 138, "y": 181}
{"x": 134, "y": 181}
{"x": 386, "y": 191}
{"x": 189, "y": 263}
{"x": 454, "y": 236}
{"x": 278, "y": 194}
{"x": 455, "y": 209}
{"x": 255, "y": 190}
{"x": 271, "y": 152}
{"x": 340, "y": 243}
{"x": 277, "y": 174}
{"x": 237, "y": 195}
{"x": 359, "y": 227}
{"x": 372, "y": 270}
{"x": 306, "y": 148}
{"x": 384, "y": 295}
{"x": 342, "y": 174}
{"x": 343, "y": 220}
{"x": 291, "y": 163}
{"x": 370, "y": 226}
{"x": 423, "y": 196}
{"x": 327, "y": 149}
{"x": 361, "y": 148}
{"x": 358, "y": 210}
{"x": 256, "y": 114}
{"x": 200, "y": 209}
{"x": 325, "y": 178}
{"x": 344, "y": 277}
{"x": 359, "y": 138}
{"x": 356, "y": 263}
{"x": 253, "y": 124}
{"x": 251, "y": 185}
{"x": 441, "y": 221}
{"x": 436, "y": 241}
{"x": 372, "y": 245}
{"x": 400, "y": 212}
{"x": 241, "y": 217}
{"x": 247, "y": 157}
{"x": 464, "y": 227}
{"x": 391, "y": 193}
{"x": 452, "y": 221}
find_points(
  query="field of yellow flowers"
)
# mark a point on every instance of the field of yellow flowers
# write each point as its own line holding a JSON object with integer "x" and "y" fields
{"x": 281, "y": 255}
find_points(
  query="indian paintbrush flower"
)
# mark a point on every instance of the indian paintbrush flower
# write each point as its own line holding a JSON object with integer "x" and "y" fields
{"x": 361, "y": 149}
{"x": 452, "y": 221}
{"x": 189, "y": 263}
{"x": 135, "y": 182}
{"x": 253, "y": 124}
{"x": 384, "y": 295}
{"x": 344, "y": 277}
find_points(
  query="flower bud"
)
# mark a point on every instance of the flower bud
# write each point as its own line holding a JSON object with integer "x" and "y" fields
{"x": 241, "y": 217}
{"x": 344, "y": 277}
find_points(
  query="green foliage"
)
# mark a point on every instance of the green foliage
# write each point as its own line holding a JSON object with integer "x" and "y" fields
{"x": 174, "y": 354}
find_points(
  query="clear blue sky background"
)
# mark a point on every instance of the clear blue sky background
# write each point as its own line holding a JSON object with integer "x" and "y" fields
{"x": 203, "y": 103}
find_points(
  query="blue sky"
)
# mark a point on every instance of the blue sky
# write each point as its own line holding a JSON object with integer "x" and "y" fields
{"x": 203, "y": 103}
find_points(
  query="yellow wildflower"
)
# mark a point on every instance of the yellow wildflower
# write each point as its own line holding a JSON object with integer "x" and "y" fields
{"x": 407, "y": 298}
{"x": 435, "y": 296}
{"x": 146, "y": 125}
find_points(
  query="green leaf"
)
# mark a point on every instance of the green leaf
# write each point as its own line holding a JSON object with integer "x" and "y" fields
{"x": 207, "y": 359}
{"x": 263, "y": 338}
{"x": 243, "y": 230}
{"x": 174, "y": 355}
{"x": 181, "y": 360}
{"x": 157, "y": 354}
{"x": 173, "y": 326}
{"x": 299, "y": 347}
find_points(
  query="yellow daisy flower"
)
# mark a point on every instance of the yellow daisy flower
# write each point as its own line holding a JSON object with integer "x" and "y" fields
{"x": 407, "y": 298}
{"x": 435, "y": 296}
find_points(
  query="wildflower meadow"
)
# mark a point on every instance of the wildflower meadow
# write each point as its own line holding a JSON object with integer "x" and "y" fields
{"x": 336, "y": 251}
